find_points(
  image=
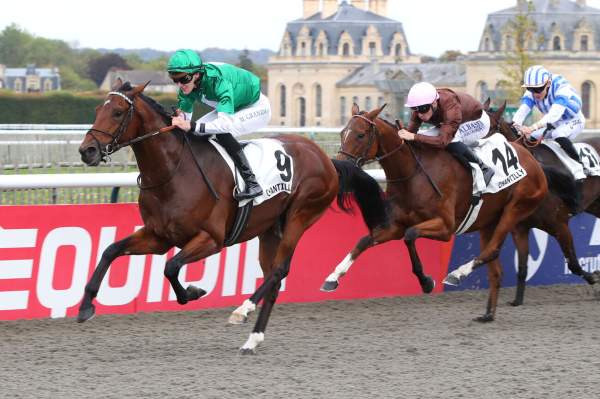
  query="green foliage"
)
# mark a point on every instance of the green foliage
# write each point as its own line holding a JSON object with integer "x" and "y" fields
{"x": 450, "y": 56}
{"x": 98, "y": 67}
{"x": 14, "y": 44}
{"x": 246, "y": 63}
{"x": 518, "y": 57}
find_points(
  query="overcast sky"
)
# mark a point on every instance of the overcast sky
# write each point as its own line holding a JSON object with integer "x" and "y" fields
{"x": 431, "y": 26}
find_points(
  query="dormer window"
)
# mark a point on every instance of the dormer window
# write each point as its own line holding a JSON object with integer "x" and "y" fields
{"x": 372, "y": 49}
{"x": 583, "y": 43}
{"x": 346, "y": 49}
{"x": 556, "y": 45}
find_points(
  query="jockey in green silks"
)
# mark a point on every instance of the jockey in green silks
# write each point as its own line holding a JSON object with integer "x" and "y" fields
{"x": 239, "y": 106}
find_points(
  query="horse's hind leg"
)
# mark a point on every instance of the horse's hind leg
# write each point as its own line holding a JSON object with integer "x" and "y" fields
{"x": 427, "y": 283}
{"x": 521, "y": 239}
{"x": 141, "y": 242}
{"x": 199, "y": 247}
{"x": 565, "y": 239}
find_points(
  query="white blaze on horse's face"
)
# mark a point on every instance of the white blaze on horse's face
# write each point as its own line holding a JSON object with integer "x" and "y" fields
{"x": 348, "y": 131}
{"x": 106, "y": 102}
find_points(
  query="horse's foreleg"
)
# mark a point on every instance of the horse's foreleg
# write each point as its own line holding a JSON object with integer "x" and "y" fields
{"x": 494, "y": 278}
{"x": 139, "y": 243}
{"x": 200, "y": 247}
{"x": 427, "y": 283}
{"x": 565, "y": 239}
{"x": 521, "y": 239}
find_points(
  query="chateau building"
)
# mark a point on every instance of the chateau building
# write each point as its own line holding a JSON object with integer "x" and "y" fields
{"x": 566, "y": 41}
{"x": 29, "y": 79}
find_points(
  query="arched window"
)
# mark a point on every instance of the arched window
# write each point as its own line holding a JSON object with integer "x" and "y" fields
{"x": 486, "y": 44}
{"x": 302, "y": 111}
{"x": 586, "y": 98}
{"x": 321, "y": 49}
{"x": 372, "y": 49}
{"x": 398, "y": 50}
{"x": 282, "y": 100}
{"x": 346, "y": 49}
{"x": 303, "y": 49}
{"x": 556, "y": 43}
{"x": 318, "y": 101}
{"x": 342, "y": 110}
{"x": 368, "y": 103}
{"x": 583, "y": 43}
{"x": 482, "y": 89}
{"x": 509, "y": 42}
{"x": 380, "y": 101}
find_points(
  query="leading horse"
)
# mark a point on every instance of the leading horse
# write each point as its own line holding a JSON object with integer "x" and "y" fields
{"x": 430, "y": 193}
{"x": 554, "y": 212}
{"x": 186, "y": 200}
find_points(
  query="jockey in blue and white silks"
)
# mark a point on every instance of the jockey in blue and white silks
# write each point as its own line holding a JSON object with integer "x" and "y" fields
{"x": 556, "y": 99}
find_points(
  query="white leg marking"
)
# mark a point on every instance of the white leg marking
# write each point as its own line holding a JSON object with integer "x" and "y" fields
{"x": 253, "y": 341}
{"x": 464, "y": 270}
{"x": 341, "y": 269}
{"x": 240, "y": 315}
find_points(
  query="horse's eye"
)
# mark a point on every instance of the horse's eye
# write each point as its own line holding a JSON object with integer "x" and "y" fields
{"x": 118, "y": 114}
{"x": 361, "y": 136}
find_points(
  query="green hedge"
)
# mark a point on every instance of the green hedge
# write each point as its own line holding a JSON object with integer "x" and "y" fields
{"x": 63, "y": 107}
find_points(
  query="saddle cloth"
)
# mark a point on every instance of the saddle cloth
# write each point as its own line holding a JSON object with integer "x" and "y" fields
{"x": 587, "y": 153}
{"x": 497, "y": 153}
{"x": 272, "y": 166}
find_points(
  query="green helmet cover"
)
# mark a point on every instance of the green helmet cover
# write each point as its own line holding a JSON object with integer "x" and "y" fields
{"x": 184, "y": 61}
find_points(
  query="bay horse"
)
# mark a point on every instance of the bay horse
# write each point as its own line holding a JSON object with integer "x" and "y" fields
{"x": 186, "y": 200}
{"x": 554, "y": 212}
{"x": 429, "y": 193}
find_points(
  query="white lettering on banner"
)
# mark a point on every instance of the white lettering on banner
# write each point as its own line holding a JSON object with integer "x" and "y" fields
{"x": 114, "y": 296}
{"x": 208, "y": 280}
{"x": 541, "y": 239}
{"x": 17, "y": 268}
{"x": 230, "y": 274}
{"x": 59, "y": 300}
{"x": 588, "y": 263}
{"x": 595, "y": 238}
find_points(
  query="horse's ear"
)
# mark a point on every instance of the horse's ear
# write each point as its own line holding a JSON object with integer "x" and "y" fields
{"x": 138, "y": 89}
{"x": 355, "y": 109}
{"x": 117, "y": 84}
{"x": 486, "y": 104}
{"x": 373, "y": 114}
{"x": 399, "y": 124}
{"x": 501, "y": 110}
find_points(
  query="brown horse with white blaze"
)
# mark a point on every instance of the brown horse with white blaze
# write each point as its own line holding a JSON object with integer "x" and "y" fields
{"x": 186, "y": 200}
{"x": 429, "y": 193}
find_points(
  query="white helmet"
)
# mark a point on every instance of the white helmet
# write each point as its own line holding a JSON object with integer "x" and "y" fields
{"x": 536, "y": 76}
{"x": 421, "y": 93}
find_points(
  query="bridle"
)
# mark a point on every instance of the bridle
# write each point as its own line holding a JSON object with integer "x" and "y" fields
{"x": 373, "y": 135}
{"x": 115, "y": 145}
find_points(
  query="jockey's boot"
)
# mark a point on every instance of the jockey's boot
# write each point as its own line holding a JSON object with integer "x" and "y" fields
{"x": 569, "y": 148}
{"x": 460, "y": 151}
{"x": 235, "y": 151}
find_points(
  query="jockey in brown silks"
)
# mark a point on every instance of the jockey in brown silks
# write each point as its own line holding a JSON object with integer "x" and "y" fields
{"x": 458, "y": 120}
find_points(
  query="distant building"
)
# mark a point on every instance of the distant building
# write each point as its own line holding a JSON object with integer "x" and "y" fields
{"x": 159, "y": 80}
{"x": 566, "y": 42}
{"x": 342, "y": 53}
{"x": 29, "y": 79}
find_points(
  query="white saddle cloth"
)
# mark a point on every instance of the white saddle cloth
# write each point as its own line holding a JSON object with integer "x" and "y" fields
{"x": 272, "y": 166}
{"x": 587, "y": 153}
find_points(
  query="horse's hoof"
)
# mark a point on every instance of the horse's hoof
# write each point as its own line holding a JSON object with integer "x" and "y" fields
{"x": 86, "y": 314}
{"x": 237, "y": 319}
{"x": 451, "y": 279}
{"x": 486, "y": 318}
{"x": 329, "y": 286}
{"x": 182, "y": 301}
{"x": 247, "y": 351}
{"x": 428, "y": 285}
{"x": 515, "y": 303}
{"x": 194, "y": 293}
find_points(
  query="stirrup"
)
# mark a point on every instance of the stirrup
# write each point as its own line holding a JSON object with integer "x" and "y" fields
{"x": 249, "y": 193}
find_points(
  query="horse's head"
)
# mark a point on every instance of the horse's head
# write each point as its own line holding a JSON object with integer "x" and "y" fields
{"x": 498, "y": 123}
{"x": 115, "y": 123}
{"x": 359, "y": 139}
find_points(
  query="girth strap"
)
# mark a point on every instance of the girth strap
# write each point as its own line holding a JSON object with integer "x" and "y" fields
{"x": 239, "y": 224}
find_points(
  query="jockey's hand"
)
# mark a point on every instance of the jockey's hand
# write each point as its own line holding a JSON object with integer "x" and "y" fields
{"x": 181, "y": 123}
{"x": 406, "y": 135}
{"x": 526, "y": 130}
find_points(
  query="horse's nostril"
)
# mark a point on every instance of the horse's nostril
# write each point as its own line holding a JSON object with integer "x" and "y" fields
{"x": 91, "y": 150}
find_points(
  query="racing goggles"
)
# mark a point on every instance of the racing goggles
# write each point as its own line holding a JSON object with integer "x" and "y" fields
{"x": 421, "y": 109}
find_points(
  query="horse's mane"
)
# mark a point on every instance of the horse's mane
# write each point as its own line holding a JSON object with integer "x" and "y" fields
{"x": 155, "y": 105}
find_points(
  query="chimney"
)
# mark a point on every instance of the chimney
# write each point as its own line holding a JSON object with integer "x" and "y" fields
{"x": 310, "y": 8}
{"x": 378, "y": 7}
{"x": 329, "y": 8}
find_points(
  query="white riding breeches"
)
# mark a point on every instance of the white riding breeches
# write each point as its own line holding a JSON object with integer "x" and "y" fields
{"x": 468, "y": 132}
{"x": 569, "y": 129}
{"x": 246, "y": 120}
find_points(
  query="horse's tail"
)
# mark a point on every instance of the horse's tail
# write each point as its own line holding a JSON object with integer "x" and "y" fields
{"x": 366, "y": 190}
{"x": 563, "y": 185}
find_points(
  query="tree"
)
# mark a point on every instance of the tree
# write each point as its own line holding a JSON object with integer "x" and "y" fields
{"x": 14, "y": 45}
{"x": 520, "y": 34}
{"x": 98, "y": 67}
{"x": 450, "y": 56}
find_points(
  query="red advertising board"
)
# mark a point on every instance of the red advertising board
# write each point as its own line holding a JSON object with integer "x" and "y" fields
{"x": 47, "y": 254}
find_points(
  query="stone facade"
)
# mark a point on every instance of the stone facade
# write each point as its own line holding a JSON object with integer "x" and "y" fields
{"x": 566, "y": 42}
{"x": 29, "y": 79}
